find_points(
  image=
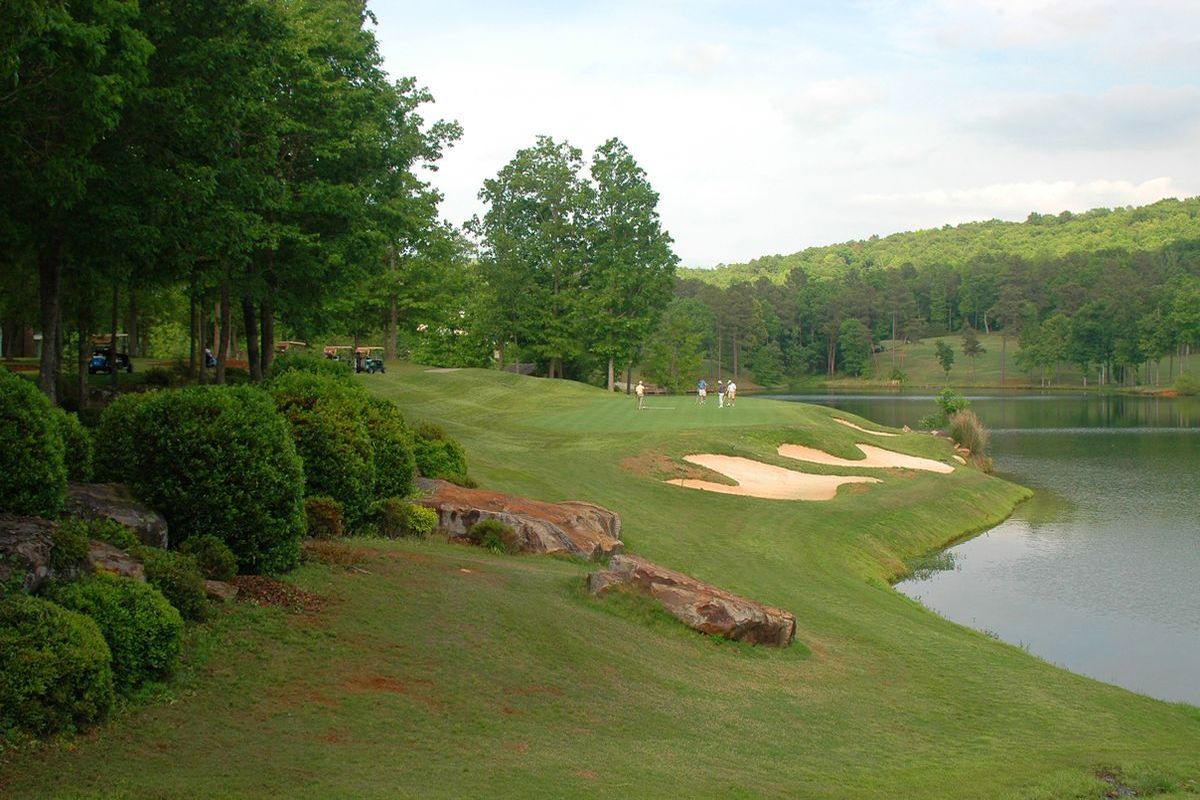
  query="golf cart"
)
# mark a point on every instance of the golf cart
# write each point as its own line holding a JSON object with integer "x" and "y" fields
{"x": 283, "y": 347}
{"x": 337, "y": 352}
{"x": 103, "y": 360}
{"x": 368, "y": 359}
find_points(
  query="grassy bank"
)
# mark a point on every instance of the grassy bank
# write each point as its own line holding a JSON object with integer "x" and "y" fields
{"x": 444, "y": 671}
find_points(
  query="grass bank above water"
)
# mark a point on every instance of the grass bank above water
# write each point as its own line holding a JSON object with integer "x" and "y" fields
{"x": 443, "y": 671}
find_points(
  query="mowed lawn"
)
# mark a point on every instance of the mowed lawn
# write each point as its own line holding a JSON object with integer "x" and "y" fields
{"x": 445, "y": 671}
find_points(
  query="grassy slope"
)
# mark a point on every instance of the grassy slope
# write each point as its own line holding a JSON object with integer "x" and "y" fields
{"x": 919, "y": 363}
{"x": 446, "y": 671}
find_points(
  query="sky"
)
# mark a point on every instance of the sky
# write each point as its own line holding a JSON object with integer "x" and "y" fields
{"x": 767, "y": 127}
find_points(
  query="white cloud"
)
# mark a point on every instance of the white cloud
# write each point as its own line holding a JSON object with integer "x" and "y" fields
{"x": 1008, "y": 200}
{"x": 825, "y": 104}
{"x": 700, "y": 59}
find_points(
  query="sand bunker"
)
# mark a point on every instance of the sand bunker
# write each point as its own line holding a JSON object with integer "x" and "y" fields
{"x": 756, "y": 479}
{"x": 875, "y": 457}
{"x": 850, "y": 424}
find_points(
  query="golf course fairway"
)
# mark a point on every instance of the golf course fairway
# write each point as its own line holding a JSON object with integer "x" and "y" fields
{"x": 446, "y": 671}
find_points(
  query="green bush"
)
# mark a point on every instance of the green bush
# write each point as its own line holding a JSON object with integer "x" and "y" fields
{"x": 1187, "y": 385}
{"x": 33, "y": 473}
{"x": 158, "y": 377}
{"x": 494, "y": 535}
{"x": 949, "y": 402}
{"x": 111, "y": 531}
{"x": 142, "y": 629}
{"x": 55, "y": 668}
{"x": 177, "y": 575}
{"x": 324, "y": 515}
{"x": 394, "y": 517}
{"x": 310, "y": 364}
{"x": 395, "y": 461}
{"x": 214, "y": 460}
{"x": 439, "y": 455}
{"x": 77, "y": 442}
{"x": 329, "y": 427}
{"x": 70, "y": 544}
{"x": 216, "y": 561}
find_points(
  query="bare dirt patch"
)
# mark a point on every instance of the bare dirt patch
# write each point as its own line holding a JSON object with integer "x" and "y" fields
{"x": 874, "y": 457}
{"x": 662, "y": 468}
{"x": 756, "y": 479}
{"x": 335, "y": 554}
{"x": 850, "y": 424}
{"x": 264, "y": 591}
{"x": 415, "y": 688}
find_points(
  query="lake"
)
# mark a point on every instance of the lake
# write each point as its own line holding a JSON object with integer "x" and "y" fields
{"x": 1099, "y": 572}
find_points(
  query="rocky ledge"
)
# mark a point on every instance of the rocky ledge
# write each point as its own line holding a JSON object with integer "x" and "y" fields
{"x": 114, "y": 501}
{"x": 698, "y": 605}
{"x": 572, "y": 527}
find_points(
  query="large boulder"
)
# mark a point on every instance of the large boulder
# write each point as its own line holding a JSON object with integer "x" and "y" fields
{"x": 25, "y": 544}
{"x": 104, "y": 557}
{"x": 573, "y": 527}
{"x": 114, "y": 501}
{"x": 698, "y": 605}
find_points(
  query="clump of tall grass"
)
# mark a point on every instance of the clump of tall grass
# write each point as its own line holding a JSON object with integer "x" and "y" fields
{"x": 967, "y": 431}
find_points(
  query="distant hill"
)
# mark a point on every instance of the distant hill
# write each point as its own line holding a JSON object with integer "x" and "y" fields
{"x": 1040, "y": 236}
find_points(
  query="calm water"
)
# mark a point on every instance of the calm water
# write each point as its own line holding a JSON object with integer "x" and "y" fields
{"x": 1100, "y": 572}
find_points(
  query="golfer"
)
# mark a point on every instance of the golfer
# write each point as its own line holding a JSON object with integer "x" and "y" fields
{"x": 640, "y": 391}
{"x": 701, "y": 391}
{"x": 730, "y": 393}
{"x": 720, "y": 394}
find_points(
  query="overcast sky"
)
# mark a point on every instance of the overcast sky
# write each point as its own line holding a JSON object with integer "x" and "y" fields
{"x": 767, "y": 127}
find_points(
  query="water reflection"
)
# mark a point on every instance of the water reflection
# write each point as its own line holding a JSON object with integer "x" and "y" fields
{"x": 1098, "y": 572}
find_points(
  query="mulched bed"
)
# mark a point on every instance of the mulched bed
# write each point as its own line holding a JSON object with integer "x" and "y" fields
{"x": 264, "y": 591}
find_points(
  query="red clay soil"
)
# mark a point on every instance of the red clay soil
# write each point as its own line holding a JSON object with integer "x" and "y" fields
{"x": 265, "y": 591}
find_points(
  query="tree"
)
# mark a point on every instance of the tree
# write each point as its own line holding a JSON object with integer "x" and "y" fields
{"x": 68, "y": 70}
{"x": 971, "y": 346}
{"x": 675, "y": 352}
{"x": 945, "y": 356}
{"x": 632, "y": 266}
{"x": 854, "y": 341}
{"x": 533, "y": 249}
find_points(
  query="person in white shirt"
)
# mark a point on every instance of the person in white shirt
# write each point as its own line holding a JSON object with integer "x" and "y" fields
{"x": 640, "y": 391}
{"x": 730, "y": 393}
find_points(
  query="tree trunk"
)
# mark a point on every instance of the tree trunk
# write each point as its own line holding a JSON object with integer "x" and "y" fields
{"x": 224, "y": 326}
{"x": 131, "y": 325}
{"x": 268, "y": 335}
{"x": 49, "y": 288}
{"x": 193, "y": 326}
{"x": 735, "y": 357}
{"x": 250, "y": 323}
{"x": 201, "y": 325}
{"x": 629, "y": 378}
{"x": 83, "y": 325}
{"x": 112, "y": 342}
{"x": 720, "y": 334}
{"x": 1003, "y": 355}
{"x": 389, "y": 342}
{"x": 612, "y": 383}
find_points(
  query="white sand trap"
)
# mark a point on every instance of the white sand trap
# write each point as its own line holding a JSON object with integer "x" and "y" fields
{"x": 850, "y": 424}
{"x": 960, "y": 459}
{"x": 756, "y": 479}
{"x": 875, "y": 457}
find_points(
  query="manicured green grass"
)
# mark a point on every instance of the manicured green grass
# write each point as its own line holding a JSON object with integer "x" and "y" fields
{"x": 446, "y": 671}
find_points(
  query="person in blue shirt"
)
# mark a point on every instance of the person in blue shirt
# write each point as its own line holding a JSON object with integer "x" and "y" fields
{"x": 701, "y": 390}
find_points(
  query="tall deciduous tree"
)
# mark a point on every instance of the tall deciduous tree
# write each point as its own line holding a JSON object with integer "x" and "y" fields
{"x": 632, "y": 266}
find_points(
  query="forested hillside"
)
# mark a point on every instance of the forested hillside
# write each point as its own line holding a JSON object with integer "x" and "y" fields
{"x": 1109, "y": 293}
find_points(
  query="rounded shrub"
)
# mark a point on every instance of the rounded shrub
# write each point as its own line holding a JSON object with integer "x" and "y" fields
{"x": 394, "y": 517}
{"x": 392, "y": 439}
{"x": 324, "y": 516}
{"x": 329, "y": 427}
{"x": 494, "y": 535}
{"x": 158, "y": 377}
{"x": 310, "y": 364}
{"x": 77, "y": 443}
{"x": 70, "y": 544}
{"x": 216, "y": 561}
{"x": 143, "y": 630}
{"x": 438, "y": 455}
{"x": 55, "y": 668}
{"x": 214, "y": 460}
{"x": 178, "y": 577}
{"x": 1187, "y": 385}
{"x": 33, "y": 474}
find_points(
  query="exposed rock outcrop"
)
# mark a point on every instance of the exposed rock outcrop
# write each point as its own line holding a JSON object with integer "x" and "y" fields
{"x": 220, "y": 591}
{"x": 25, "y": 544}
{"x": 573, "y": 527}
{"x": 114, "y": 501}
{"x": 103, "y": 557}
{"x": 698, "y": 605}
